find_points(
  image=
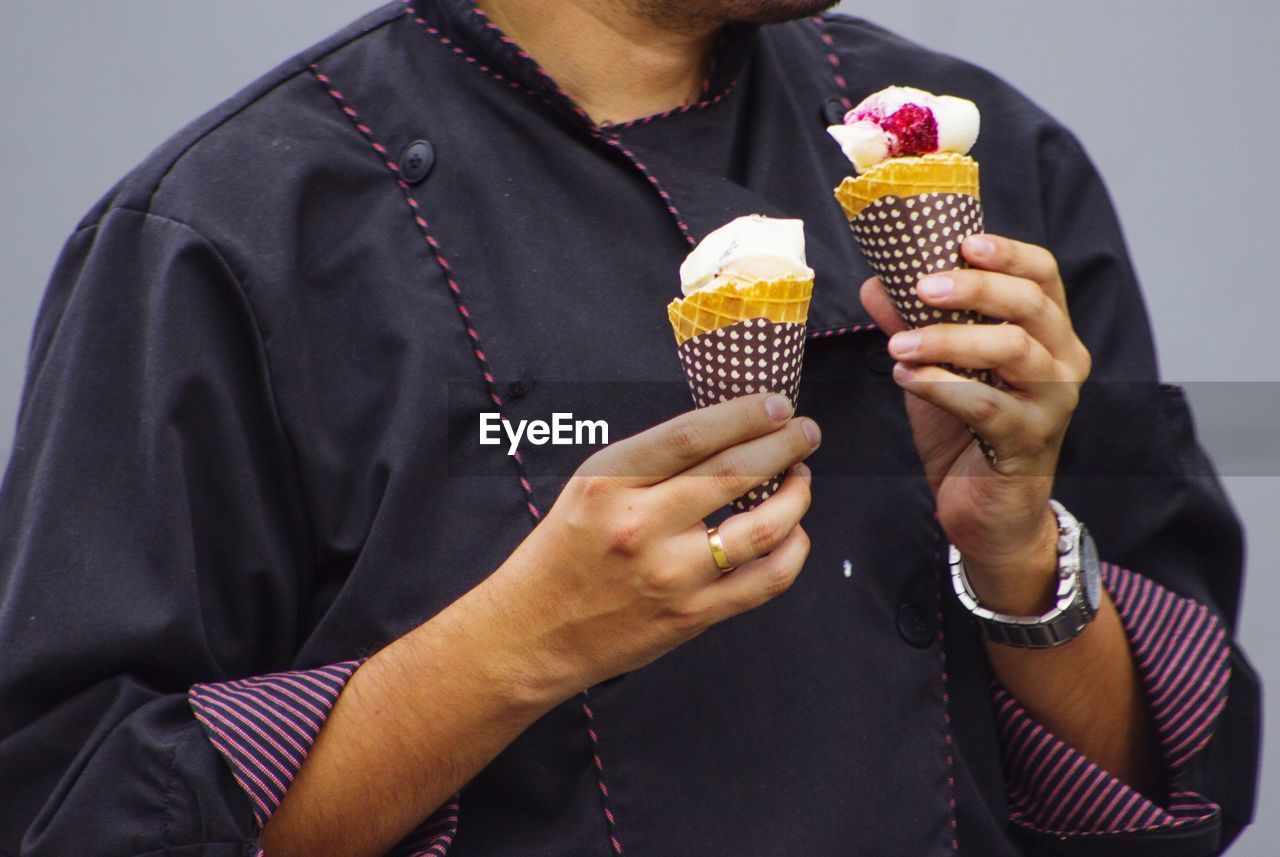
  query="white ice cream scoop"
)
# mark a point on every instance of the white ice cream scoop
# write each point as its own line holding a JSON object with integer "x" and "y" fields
{"x": 745, "y": 251}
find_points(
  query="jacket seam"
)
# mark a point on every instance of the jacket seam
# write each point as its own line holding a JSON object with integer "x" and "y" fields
{"x": 833, "y": 59}
{"x": 945, "y": 680}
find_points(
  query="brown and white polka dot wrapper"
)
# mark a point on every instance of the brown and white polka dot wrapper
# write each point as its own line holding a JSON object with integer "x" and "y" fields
{"x": 752, "y": 356}
{"x": 907, "y": 238}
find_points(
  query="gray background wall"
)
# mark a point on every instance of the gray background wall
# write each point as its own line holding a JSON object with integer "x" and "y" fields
{"x": 90, "y": 88}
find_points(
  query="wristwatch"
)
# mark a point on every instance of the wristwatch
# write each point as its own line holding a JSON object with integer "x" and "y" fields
{"x": 1076, "y": 603}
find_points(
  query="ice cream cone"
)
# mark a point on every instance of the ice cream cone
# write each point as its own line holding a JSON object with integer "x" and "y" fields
{"x": 917, "y": 196}
{"x": 737, "y": 341}
{"x": 910, "y": 216}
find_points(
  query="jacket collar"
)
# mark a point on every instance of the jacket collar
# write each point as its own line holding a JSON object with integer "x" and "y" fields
{"x": 471, "y": 31}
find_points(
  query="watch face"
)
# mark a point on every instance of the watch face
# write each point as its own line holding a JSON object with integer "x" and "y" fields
{"x": 1090, "y": 573}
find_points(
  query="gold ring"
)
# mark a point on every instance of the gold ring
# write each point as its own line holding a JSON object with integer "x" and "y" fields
{"x": 717, "y": 550}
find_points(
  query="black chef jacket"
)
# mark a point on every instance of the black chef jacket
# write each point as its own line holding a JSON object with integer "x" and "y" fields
{"x": 248, "y": 443}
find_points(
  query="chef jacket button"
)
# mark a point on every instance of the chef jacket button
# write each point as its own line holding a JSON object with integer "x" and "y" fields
{"x": 878, "y": 358}
{"x": 515, "y": 390}
{"x": 916, "y": 626}
{"x": 417, "y": 160}
{"x": 833, "y": 111}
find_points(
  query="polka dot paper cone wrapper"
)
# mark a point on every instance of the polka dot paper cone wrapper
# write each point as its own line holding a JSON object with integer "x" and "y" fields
{"x": 756, "y": 355}
{"x": 909, "y": 217}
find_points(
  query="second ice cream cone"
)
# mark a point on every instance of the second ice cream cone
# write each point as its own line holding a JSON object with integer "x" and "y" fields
{"x": 917, "y": 197}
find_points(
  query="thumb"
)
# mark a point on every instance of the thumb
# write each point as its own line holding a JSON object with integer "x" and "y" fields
{"x": 880, "y": 306}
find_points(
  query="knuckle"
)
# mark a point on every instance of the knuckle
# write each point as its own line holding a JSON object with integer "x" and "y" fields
{"x": 687, "y": 620}
{"x": 1048, "y": 263}
{"x": 763, "y": 536}
{"x": 984, "y": 409}
{"x": 779, "y": 578}
{"x": 1043, "y": 439}
{"x": 594, "y": 488}
{"x": 729, "y": 473}
{"x": 1042, "y": 305}
{"x": 1072, "y": 398}
{"x": 798, "y": 440}
{"x": 1085, "y": 359}
{"x": 749, "y": 411}
{"x": 806, "y": 497}
{"x": 661, "y": 580}
{"x": 976, "y": 286}
{"x": 599, "y": 475}
{"x": 1017, "y": 343}
{"x": 627, "y": 535}
{"x": 687, "y": 438}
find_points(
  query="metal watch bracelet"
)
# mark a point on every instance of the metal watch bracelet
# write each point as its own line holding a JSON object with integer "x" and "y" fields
{"x": 1076, "y": 598}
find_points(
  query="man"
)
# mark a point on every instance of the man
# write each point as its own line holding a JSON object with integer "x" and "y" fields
{"x": 260, "y": 593}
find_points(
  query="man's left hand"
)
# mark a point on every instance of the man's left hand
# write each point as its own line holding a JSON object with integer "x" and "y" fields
{"x": 998, "y": 518}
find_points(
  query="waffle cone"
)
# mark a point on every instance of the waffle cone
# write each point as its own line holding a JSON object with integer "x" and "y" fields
{"x": 905, "y": 177}
{"x": 781, "y": 301}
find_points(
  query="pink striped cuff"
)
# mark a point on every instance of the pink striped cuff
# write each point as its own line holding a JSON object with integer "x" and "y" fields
{"x": 265, "y": 726}
{"x": 1181, "y": 652}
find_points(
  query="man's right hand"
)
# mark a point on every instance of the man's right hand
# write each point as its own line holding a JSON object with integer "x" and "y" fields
{"x": 620, "y": 572}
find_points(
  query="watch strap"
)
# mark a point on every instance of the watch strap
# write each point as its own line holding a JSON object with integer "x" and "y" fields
{"x": 1071, "y": 612}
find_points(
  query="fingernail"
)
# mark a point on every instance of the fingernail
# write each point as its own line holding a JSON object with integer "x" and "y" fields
{"x": 812, "y": 433}
{"x": 803, "y": 471}
{"x": 903, "y": 372}
{"x": 778, "y": 408}
{"x": 980, "y": 246}
{"x": 936, "y": 287}
{"x": 904, "y": 343}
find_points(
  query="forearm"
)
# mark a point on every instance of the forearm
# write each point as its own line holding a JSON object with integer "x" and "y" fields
{"x": 414, "y": 724}
{"x": 1087, "y": 692}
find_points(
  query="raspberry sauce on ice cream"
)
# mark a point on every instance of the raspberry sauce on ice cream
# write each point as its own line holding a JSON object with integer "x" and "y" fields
{"x": 903, "y": 122}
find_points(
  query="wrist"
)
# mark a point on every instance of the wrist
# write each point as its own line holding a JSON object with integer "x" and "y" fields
{"x": 1023, "y": 580}
{"x": 519, "y": 660}
{"x": 489, "y": 655}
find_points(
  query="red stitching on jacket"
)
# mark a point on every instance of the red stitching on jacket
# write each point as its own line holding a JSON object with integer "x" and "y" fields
{"x": 615, "y": 141}
{"x": 840, "y": 331}
{"x": 438, "y": 254}
{"x": 614, "y": 841}
{"x": 946, "y": 692}
{"x": 677, "y": 111}
{"x": 834, "y": 59}
{"x": 473, "y": 61}
{"x": 611, "y": 139}
{"x": 530, "y": 61}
